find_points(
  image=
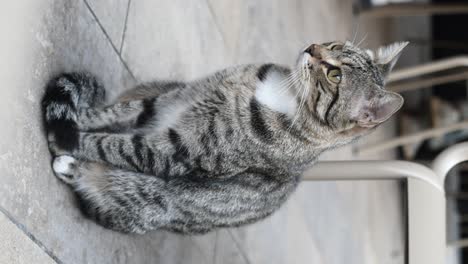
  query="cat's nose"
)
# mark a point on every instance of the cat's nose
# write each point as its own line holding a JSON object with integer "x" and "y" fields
{"x": 315, "y": 51}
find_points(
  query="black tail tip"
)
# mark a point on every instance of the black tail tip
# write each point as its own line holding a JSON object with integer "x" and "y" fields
{"x": 65, "y": 134}
{"x": 89, "y": 90}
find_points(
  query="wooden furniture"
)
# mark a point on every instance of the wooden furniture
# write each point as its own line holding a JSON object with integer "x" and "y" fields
{"x": 365, "y": 9}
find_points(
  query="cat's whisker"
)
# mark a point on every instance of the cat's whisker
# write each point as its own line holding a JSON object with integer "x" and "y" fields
{"x": 301, "y": 104}
{"x": 285, "y": 88}
{"x": 299, "y": 109}
{"x": 291, "y": 76}
{"x": 355, "y": 32}
{"x": 294, "y": 82}
{"x": 288, "y": 83}
{"x": 303, "y": 99}
{"x": 287, "y": 79}
{"x": 295, "y": 115}
{"x": 362, "y": 40}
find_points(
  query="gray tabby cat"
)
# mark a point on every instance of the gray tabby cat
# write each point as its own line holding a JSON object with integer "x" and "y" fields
{"x": 222, "y": 151}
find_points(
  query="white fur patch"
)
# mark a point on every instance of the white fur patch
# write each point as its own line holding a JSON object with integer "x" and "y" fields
{"x": 273, "y": 93}
{"x": 62, "y": 164}
{"x": 171, "y": 114}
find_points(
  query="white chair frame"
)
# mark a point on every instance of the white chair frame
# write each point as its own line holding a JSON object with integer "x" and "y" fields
{"x": 425, "y": 193}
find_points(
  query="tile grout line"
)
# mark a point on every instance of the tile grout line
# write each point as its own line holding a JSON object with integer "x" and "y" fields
{"x": 109, "y": 39}
{"x": 196, "y": 245}
{"x": 125, "y": 27}
{"x": 244, "y": 255}
{"x": 216, "y": 22}
{"x": 221, "y": 32}
{"x": 215, "y": 248}
{"x": 33, "y": 238}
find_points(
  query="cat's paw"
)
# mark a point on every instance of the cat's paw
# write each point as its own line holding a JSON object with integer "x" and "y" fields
{"x": 53, "y": 148}
{"x": 67, "y": 143}
{"x": 66, "y": 168}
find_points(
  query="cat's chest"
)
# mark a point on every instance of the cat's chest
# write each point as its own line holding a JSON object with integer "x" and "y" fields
{"x": 277, "y": 93}
{"x": 169, "y": 115}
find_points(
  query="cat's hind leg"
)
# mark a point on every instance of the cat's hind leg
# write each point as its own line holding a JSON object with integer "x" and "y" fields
{"x": 116, "y": 199}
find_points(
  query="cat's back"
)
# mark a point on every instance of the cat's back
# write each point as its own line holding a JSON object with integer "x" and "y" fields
{"x": 220, "y": 90}
{"x": 240, "y": 78}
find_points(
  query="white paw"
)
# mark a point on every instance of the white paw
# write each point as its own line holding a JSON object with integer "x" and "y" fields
{"x": 65, "y": 168}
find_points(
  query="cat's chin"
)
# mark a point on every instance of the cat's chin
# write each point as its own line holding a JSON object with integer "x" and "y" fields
{"x": 358, "y": 128}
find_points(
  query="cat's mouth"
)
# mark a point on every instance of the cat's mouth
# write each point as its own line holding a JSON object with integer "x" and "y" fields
{"x": 367, "y": 124}
{"x": 357, "y": 130}
{"x": 358, "y": 127}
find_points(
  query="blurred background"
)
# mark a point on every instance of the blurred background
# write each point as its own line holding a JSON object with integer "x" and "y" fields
{"x": 126, "y": 42}
{"x": 432, "y": 77}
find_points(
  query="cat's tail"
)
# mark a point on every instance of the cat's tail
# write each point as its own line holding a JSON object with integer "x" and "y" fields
{"x": 64, "y": 96}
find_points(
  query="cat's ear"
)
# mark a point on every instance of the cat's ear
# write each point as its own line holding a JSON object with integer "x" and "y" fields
{"x": 386, "y": 56}
{"x": 380, "y": 107}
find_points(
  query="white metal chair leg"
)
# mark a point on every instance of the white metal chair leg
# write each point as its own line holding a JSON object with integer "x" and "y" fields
{"x": 426, "y": 200}
{"x": 450, "y": 158}
{"x": 372, "y": 170}
{"x": 426, "y": 197}
{"x": 447, "y": 160}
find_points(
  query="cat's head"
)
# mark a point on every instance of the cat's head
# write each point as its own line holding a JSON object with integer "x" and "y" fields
{"x": 345, "y": 84}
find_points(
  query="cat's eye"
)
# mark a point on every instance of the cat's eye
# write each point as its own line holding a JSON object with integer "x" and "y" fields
{"x": 336, "y": 47}
{"x": 334, "y": 75}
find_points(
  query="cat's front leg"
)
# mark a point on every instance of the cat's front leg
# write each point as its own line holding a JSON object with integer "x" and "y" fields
{"x": 127, "y": 151}
{"x": 133, "y": 113}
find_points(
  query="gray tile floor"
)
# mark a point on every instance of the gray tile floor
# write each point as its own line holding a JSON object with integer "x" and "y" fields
{"x": 129, "y": 41}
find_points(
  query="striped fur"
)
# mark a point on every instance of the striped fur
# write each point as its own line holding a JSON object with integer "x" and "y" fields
{"x": 194, "y": 156}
